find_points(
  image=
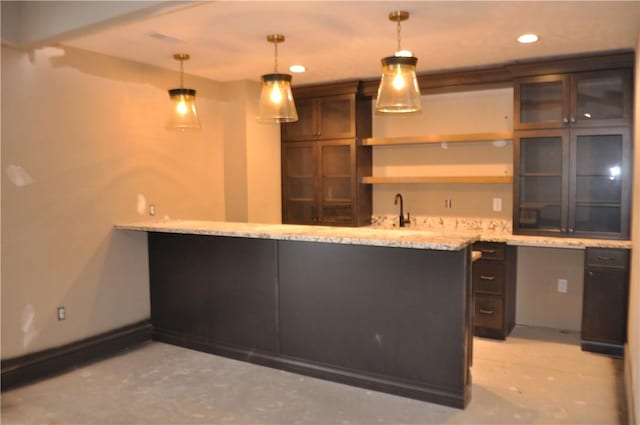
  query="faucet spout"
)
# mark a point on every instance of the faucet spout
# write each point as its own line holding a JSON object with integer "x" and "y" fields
{"x": 395, "y": 202}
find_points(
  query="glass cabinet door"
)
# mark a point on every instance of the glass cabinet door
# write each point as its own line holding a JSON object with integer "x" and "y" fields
{"x": 600, "y": 174}
{"x": 336, "y": 182}
{"x": 541, "y": 102}
{"x": 306, "y": 127}
{"x": 299, "y": 184}
{"x": 542, "y": 181}
{"x": 337, "y": 117}
{"x": 601, "y": 97}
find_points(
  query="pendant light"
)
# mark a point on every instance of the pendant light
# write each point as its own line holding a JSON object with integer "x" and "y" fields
{"x": 399, "y": 91}
{"x": 276, "y": 98}
{"x": 183, "y": 114}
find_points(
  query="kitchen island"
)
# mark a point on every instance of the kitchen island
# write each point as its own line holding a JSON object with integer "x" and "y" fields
{"x": 388, "y": 310}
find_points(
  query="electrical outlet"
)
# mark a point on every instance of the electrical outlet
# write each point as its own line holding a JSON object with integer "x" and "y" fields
{"x": 562, "y": 286}
{"x": 447, "y": 203}
{"x": 61, "y": 313}
{"x": 497, "y": 204}
{"x": 152, "y": 209}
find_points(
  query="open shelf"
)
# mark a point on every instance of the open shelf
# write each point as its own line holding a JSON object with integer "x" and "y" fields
{"x": 438, "y": 179}
{"x": 438, "y": 138}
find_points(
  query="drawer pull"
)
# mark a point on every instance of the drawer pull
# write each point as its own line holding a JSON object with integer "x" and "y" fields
{"x": 603, "y": 258}
{"x": 488, "y": 251}
{"x": 484, "y": 277}
{"x": 489, "y": 312}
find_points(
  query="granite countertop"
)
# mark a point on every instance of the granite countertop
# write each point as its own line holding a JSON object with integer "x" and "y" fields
{"x": 376, "y": 235}
{"x": 402, "y": 238}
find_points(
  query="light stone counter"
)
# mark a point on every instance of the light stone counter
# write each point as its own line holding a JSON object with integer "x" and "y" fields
{"x": 493, "y": 230}
{"x": 445, "y": 239}
{"x": 402, "y": 238}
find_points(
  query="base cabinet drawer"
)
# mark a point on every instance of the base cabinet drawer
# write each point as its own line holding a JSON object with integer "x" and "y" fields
{"x": 494, "y": 289}
{"x": 488, "y": 311}
{"x": 488, "y": 276}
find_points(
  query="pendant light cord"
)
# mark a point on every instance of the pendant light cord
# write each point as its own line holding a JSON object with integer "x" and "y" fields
{"x": 399, "y": 35}
{"x": 181, "y": 73}
{"x": 275, "y": 68}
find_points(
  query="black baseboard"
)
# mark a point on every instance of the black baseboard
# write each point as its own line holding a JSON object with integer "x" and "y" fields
{"x": 616, "y": 350}
{"x": 321, "y": 371}
{"x": 30, "y": 367}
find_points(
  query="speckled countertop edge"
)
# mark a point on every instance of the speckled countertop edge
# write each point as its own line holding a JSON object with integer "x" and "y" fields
{"x": 370, "y": 236}
{"x": 412, "y": 237}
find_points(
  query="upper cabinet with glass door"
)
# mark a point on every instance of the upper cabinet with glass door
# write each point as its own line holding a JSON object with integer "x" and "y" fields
{"x": 323, "y": 118}
{"x": 583, "y": 99}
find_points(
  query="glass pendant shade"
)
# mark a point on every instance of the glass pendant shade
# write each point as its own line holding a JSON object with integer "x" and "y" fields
{"x": 183, "y": 114}
{"x": 276, "y": 99}
{"x": 398, "y": 90}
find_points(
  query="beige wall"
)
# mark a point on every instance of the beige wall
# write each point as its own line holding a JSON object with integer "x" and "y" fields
{"x": 452, "y": 113}
{"x": 538, "y": 302}
{"x": 252, "y": 158}
{"x": 633, "y": 347}
{"x": 264, "y": 191}
{"x": 89, "y": 132}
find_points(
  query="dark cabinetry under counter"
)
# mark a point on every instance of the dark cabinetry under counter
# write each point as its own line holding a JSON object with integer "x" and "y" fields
{"x": 605, "y": 300}
{"x": 494, "y": 289}
{"x": 390, "y": 319}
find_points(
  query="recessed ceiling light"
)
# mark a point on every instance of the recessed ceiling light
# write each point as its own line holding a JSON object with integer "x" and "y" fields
{"x": 297, "y": 68}
{"x": 528, "y": 38}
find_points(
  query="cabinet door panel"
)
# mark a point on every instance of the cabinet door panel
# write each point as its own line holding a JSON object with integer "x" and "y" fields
{"x": 604, "y": 317}
{"x": 299, "y": 183}
{"x": 541, "y": 102}
{"x": 337, "y": 191}
{"x": 337, "y": 117}
{"x": 541, "y": 181}
{"x": 300, "y": 212}
{"x": 599, "y": 195}
{"x": 306, "y": 126}
{"x": 602, "y": 98}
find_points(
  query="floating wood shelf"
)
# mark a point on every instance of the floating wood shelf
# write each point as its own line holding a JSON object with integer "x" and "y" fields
{"x": 438, "y": 138}
{"x": 438, "y": 179}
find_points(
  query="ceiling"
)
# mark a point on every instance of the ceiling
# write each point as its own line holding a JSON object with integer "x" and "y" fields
{"x": 339, "y": 40}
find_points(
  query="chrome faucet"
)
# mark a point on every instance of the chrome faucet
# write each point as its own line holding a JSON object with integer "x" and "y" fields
{"x": 402, "y": 222}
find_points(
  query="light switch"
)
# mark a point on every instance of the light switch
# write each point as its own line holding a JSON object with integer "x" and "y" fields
{"x": 497, "y": 204}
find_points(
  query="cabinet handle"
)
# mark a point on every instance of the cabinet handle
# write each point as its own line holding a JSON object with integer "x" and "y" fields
{"x": 573, "y": 120}
{"x": 565, "y": 120}
{"x": 590, "y": 273}
{"x": 570, "y": 230}
{"x": 563, "y": 229}
{"x": 485, "y": 277}
{"x": 489, "y": 312}
{"x": 600, "y": 257}
{"x": 488, "y": 251}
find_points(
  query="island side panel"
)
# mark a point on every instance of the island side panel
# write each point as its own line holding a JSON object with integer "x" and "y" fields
{"x": 208, "y": 290}
{"x": 397, "y": 313}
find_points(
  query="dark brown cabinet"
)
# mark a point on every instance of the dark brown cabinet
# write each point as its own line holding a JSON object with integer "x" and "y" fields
{"x": 572, "y": 154}
{"x": 582, "y": 99}
{"x": 605, "y": 300}
{"x": 573, "y": 183}
{"x": 322, "y": 118}
{"x": 323, "y": 160}
{"x": 494, "y": 289}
